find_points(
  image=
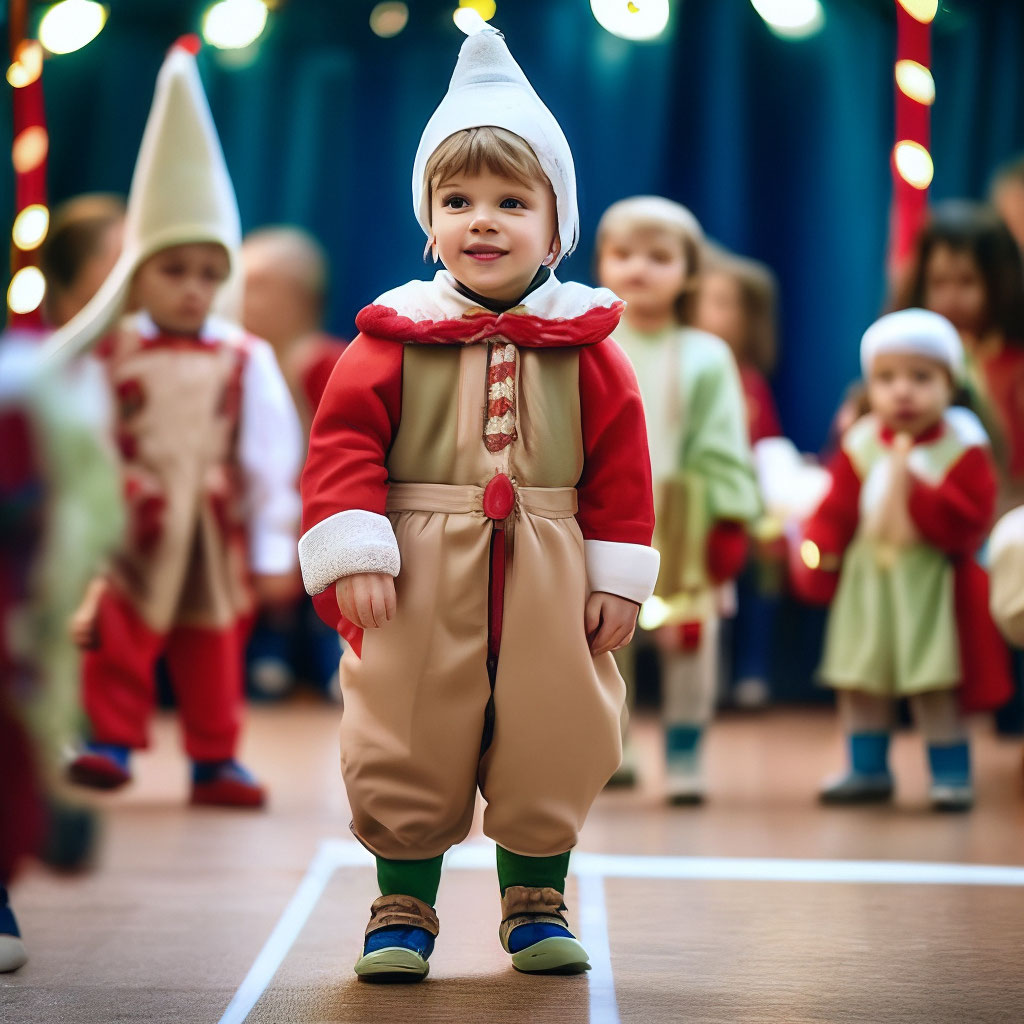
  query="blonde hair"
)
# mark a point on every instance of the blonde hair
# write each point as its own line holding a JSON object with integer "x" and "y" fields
{"x": 757, "y": 294}
{"x": 474, "y": 149}
{"x": 655, "y": 213}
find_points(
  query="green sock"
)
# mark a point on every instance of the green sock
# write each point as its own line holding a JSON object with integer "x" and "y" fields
{"x": 535, "y": 872}
{"x": 419, "y": 878}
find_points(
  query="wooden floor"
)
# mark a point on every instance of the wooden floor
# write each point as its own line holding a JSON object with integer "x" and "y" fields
{"x": 183, "y": 901}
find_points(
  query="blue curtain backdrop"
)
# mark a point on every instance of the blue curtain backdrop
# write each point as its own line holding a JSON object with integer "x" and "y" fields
{"x": 780, "y": 147}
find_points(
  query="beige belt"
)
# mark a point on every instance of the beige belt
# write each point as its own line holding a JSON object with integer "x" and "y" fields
{"x": 468, "y": 499}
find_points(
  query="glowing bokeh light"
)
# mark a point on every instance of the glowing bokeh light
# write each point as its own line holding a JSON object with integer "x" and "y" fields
{"x": 30, "y": 227}
{"x": 485, "y": 8}
{"x": 71, "y": 24}
{"x": 26, "y": 291}
{"x": 791, "y": 19}
{"x": 632, "y": 19}
{"x": 915, "y": 81}
{"x": 387, "y": 20}
{"x": 234, "y": 24}
{"x": 923, "y": 10}
{"x": 654, "y": 613}
{"x": 914, "y": 164}
{"x": 810, "y": 555}
{"x": 27, "y": 66}
{"x": 30, "y": 148}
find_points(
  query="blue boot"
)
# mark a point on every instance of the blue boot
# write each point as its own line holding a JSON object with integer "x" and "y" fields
{"x": 536, "y": 934}
{"x": 951, "y": 788}
{"x": 12, "y": 949}
{"x": 868, "y": 780}
{"x": 399, "y": 940}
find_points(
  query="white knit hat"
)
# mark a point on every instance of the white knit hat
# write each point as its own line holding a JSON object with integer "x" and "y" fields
{"x": 916, "y": 331}
{"x": 181, "y": 193}
{"x": 488, "y": 88}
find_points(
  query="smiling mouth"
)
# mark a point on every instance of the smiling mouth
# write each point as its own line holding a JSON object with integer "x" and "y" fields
{"x": 485, "y": 253}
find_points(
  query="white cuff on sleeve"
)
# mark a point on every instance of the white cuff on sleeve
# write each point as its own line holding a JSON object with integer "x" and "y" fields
{"x": 626, "y": 570}
{"x": 345, "y": 544}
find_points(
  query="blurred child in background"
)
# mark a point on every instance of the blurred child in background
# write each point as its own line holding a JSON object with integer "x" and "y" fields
{"x": 649, "y": 252}
{"x": 736, "y": 302}
{"x": 892, "y": 547}
{"x": 968, "y": 268}
{"x": 210, "y": 447}
{"x": 285, "y": 293}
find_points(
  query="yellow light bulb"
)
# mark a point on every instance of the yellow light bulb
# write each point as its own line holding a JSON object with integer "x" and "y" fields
{"x": 915, "y": 81}
{"x": 30, "y": 148}
{"x": 914, "y": 164}
{"x": 485, "y": 8}
{"x": 923, "y": 10}
{"x": 30, "y": 227}
{"x": 71, "y": 24}
{"x": 26, "y": 291}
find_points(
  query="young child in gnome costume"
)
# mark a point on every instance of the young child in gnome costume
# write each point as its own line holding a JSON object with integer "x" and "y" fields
{"x": 210, "y": 447}
{"x": 892, "y": 546}
{"x": 649, "y": 251}
{"x": 477, "y": 502}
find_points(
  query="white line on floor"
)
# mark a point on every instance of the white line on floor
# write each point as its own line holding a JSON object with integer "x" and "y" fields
{"x": 480, "y": 856}
{"x": 592, "y": 869}
{"x": 593, "y": 917}
{"x": 286, "y": 931}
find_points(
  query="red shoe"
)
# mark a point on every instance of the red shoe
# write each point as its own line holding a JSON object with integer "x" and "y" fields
{"x": 100, "y": 767}
{"x": 225, "y": 784}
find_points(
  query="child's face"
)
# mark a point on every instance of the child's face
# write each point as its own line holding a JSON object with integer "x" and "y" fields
{"x": 954, "y": 287}
{"x": 720, "y": 309}
{"x": 493, "y": 233}
{"x": 177, "y": 286}
{"x": 645, "y": 267}
{"x": 909, "y": 393}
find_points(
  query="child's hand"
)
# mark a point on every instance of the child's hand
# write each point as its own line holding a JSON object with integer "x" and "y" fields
{"x": 367, "y": 599}
{"x": 609, "y": 622}
{"x": 85, "y": 618}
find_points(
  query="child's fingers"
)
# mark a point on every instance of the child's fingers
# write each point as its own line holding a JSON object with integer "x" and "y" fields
{"x": 592, "y": 614}
{"x": 390, "y": 599}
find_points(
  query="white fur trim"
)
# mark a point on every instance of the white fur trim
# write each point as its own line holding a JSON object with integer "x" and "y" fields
{"x": 439, "y": 299}
{"x": 966, "y": 427}
{"x": 627, "y": 570}
{"x": 917, "y": 331}
{"x": 345, "y": 544}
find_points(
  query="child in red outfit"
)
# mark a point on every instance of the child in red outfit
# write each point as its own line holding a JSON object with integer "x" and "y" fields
{"x": 209, "y": 445}
{"x": 892, "y": 547}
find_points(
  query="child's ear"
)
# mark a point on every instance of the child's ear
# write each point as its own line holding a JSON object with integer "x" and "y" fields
{"x": 553, "y": 251}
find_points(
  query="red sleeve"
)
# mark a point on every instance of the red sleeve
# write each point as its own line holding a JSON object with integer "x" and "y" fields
{"x": 352, "y": 432}
{"x": 956, "y": 515}
{"x": 616, "y": 500}
{"x": 349, "y": 440}
{"x": 830, "y": 530}
{"x": 762, "y": 413}
{"x": 727, "y": 550}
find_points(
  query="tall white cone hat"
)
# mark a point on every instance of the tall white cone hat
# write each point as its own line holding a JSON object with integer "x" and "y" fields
{"x": 180, "y": 193}
{"x": 489, "y": 88}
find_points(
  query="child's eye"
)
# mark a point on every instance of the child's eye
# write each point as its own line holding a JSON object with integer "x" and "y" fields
{"x": 173, "y": 269}
{"x": 456, "y": 202}
{"x": 512, "y": 204}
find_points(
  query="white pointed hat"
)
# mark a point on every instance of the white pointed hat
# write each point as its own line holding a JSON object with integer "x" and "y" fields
{"x": 180, "y": 193}
{"x": 489, "y": 88}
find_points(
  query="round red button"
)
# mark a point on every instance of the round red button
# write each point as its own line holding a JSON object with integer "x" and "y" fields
{"x": 499, "y": 498}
